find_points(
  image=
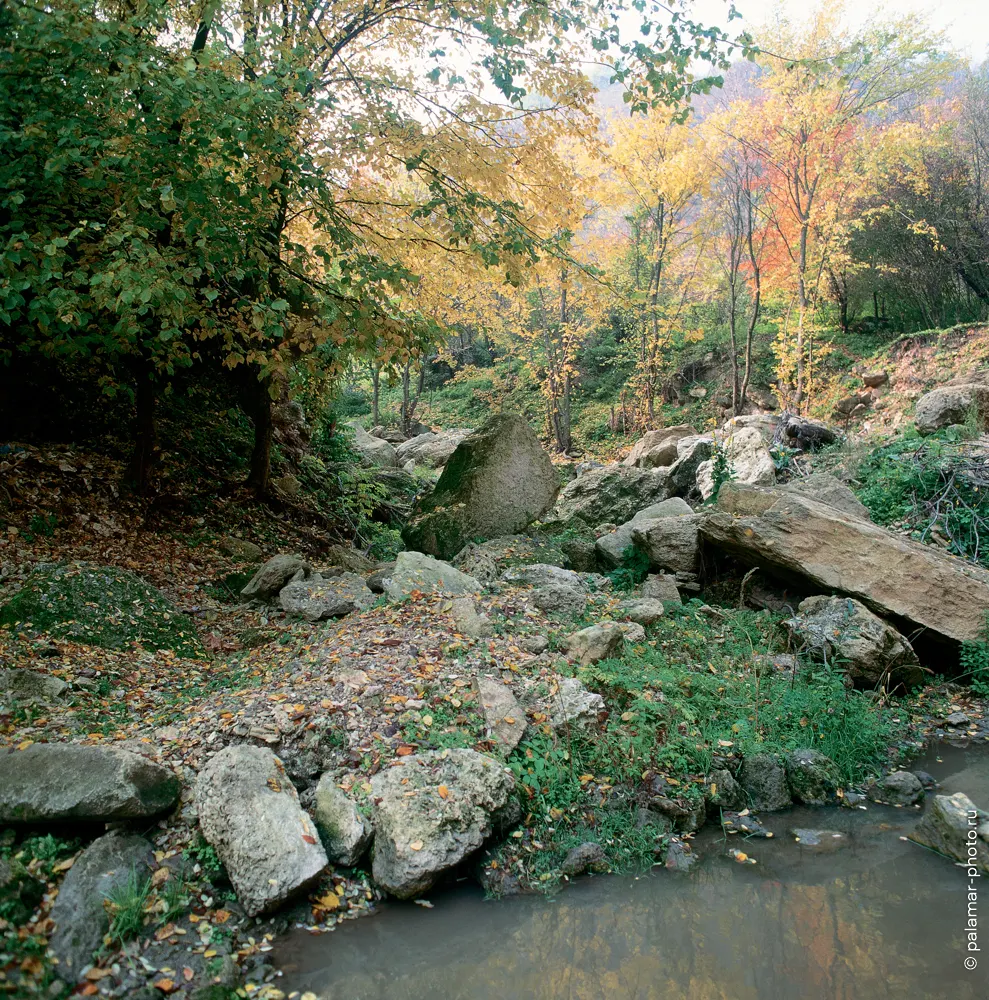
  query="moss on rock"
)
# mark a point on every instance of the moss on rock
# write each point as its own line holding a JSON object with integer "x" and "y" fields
{"x": 100, "y": 606}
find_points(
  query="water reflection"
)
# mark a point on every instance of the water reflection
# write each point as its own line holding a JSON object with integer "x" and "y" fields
{"x": 878, "y": 919}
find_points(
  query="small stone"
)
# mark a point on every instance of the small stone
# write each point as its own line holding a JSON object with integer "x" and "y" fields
{"x": 679, "y": 857}
{"x": 583, "y": 857}
{"x": 822, "y": 841}
{"x": 660, "y": 587}
{"x": 534, "y": 644}
{"x": 645, "y": 611}
{"x": 956, "y": 719}
{"x": 901, "y": 788}
{"x": 559, "y": 600}
{"x": 599, "y": 642}
{"x": 634, "y": 632}
{"x": 239, "y": 549}
{"x": 504, "y": 716}
{"x": 735, "y": 822}
{"x": 467, "y": 619}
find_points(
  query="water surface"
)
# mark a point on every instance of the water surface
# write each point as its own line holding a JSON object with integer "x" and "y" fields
{"x": 878, "y": 918}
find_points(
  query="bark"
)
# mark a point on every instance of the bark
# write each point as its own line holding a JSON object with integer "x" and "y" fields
{"x": 145, "y": 437}
{"x": 259, "y": 409}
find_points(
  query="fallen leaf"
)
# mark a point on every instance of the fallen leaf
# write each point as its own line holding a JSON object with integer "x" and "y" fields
{"x": 443, "y": 791}
{"x": 165, "y": 985}
{"x": 416, "y": 845}
{"x": 404, "y": 751}
{"x": 308, "y": 839}
{"x": 94, "y": 974}
{"x": 188, "y": 974}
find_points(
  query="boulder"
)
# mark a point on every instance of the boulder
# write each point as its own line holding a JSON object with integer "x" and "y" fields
{"x": 503, "y": 715}
{"x": 56, "y": 782}
{"x": 955, "y": 827}
{"x": 764, "y": 780}
{"x": 433, "y": 810}
{"x": 724, "y": 792}
{"x": 671, "y": 543}
{"x": 829, "y": 549}
{"x": 375, "y": 450}
{"x": 272, "y": 577}
{"x": 814, "y": 777}
{"x": 660, "y": 587}
{"x": 613, "y": 493}
{"x": 873, "y": 380}
{"x": 844, "y": 632}
{"x": 108, "y": 864}
{"x": 348, "y": 559}
{"x": 416, "y": 571}
{"x": 611, "y": 547}
{"x": 559, "y": 600}
{"x": 900, "y": 788}
{"x": 432, "y": 448}
{"x": 584, "y": 857}
{"x": 543, "y": 575}
{"x": 29, "y": 687}
{"x": 393, "y": 435}
{"x": 954, "y": 404}
{"x": 564, "y": 700}
{"x": 288, "y": 485}
{"x": 643, "y": 453}
{"x": 692, "y": 453}
{"x": 598, "y": 642}
{"x": 376, "y": 580}
{"x": 497, "y": 482}
{"x": 634, "y": 632}
{"x": 344, "y": 832}
{"x": 467, "y": 620}
{"x": 762, "y": 397}
{"x": 99, "y": 606}
{"x": 317, "y": 599}
{"x": 807, "y": 434}
{"x": 249, "y": 811}
{"x": 763, "y": 423}
{"x": 534, "y": 644}
{"x": 486, "y": 561}
{"x": 239, "y": 549}
{"x": 748, "y": 459}
{"x": 644, "y": 610}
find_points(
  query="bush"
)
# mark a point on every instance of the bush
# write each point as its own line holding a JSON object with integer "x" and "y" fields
{"x": 933, "y": 488}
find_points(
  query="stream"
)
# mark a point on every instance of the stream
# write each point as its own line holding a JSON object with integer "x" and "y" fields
{"x": 865, "y": 916}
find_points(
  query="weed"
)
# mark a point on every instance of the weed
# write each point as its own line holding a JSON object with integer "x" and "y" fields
{"x": 633, "y": 570}
{"x": 126, "y": 905}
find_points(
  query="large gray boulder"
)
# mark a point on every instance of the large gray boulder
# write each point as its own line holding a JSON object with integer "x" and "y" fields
{"x": 671, "y": 543}
{"x": 497, "y": 482}
{"x": 55, "y": 782}
{"x": 431, "y": 448}
{"x": 834, "y": 551}
{"x": 813, "y": 776}
{"x": 249, "y": 811}
{"x": 611, "y": 547}
{"x": 954, "y": 826}
{"x": 317, "y": 599}
{"x": 432, "y": 811}
{"x": 417, "y": 571}
{"x": 612, "y": 494}
{"x": 825, "y": 488}
{"x": 658, "y": 448}
{"x": 345, "y": 833}
{"x": 954, "y": 404}
{"x": 543, "y": 575}
{"x": 844, "y": 632}
{"x": 374, "y": 449}
{"x": 272, "y": 577}
{"x": 79, "y": 916}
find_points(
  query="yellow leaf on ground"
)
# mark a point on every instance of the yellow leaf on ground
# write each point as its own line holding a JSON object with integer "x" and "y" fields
{"x": 416, "y": 845}
{"x": 443, "y": 791}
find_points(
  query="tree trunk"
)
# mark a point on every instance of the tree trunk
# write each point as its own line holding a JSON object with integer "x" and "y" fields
{"x": 146, "y": 437}
{"x": 260, "y": 411}
{"x": 376, "y": 401}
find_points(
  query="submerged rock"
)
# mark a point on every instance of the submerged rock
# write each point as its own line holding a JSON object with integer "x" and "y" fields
{"x": 431, "y": 812}
{"x": 55, "y": 782}
{"x": 249, "y": 811}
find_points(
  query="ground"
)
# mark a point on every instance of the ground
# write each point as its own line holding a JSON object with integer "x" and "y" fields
{"x": 351, "y": 695}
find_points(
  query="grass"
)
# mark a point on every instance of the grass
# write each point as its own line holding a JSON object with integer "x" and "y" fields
{"x": 126, "y": 905}
{"x": 696, "y": 696}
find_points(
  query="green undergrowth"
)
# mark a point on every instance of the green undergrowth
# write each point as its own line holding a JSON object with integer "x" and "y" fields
{"x": 932, "y": 489}
{"x": 699, "y": 694}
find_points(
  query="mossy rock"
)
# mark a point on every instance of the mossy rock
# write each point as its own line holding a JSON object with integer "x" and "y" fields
{"x": 99, "y": 606}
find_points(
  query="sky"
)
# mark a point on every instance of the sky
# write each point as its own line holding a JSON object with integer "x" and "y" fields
{"x": 966, "y": 22}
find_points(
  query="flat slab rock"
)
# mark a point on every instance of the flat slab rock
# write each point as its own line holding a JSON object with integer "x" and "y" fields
{"x": 317, "y": 599}
{"x": 249, "y": 811}
{"x": 50, "y": 782}
{"x": 431, "y": 811}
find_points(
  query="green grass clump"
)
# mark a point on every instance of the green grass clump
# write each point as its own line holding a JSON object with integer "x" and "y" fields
{"x": 699, "y": 692}
{"x": 126, "y": 904}
{"x": 931, "y": 488}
